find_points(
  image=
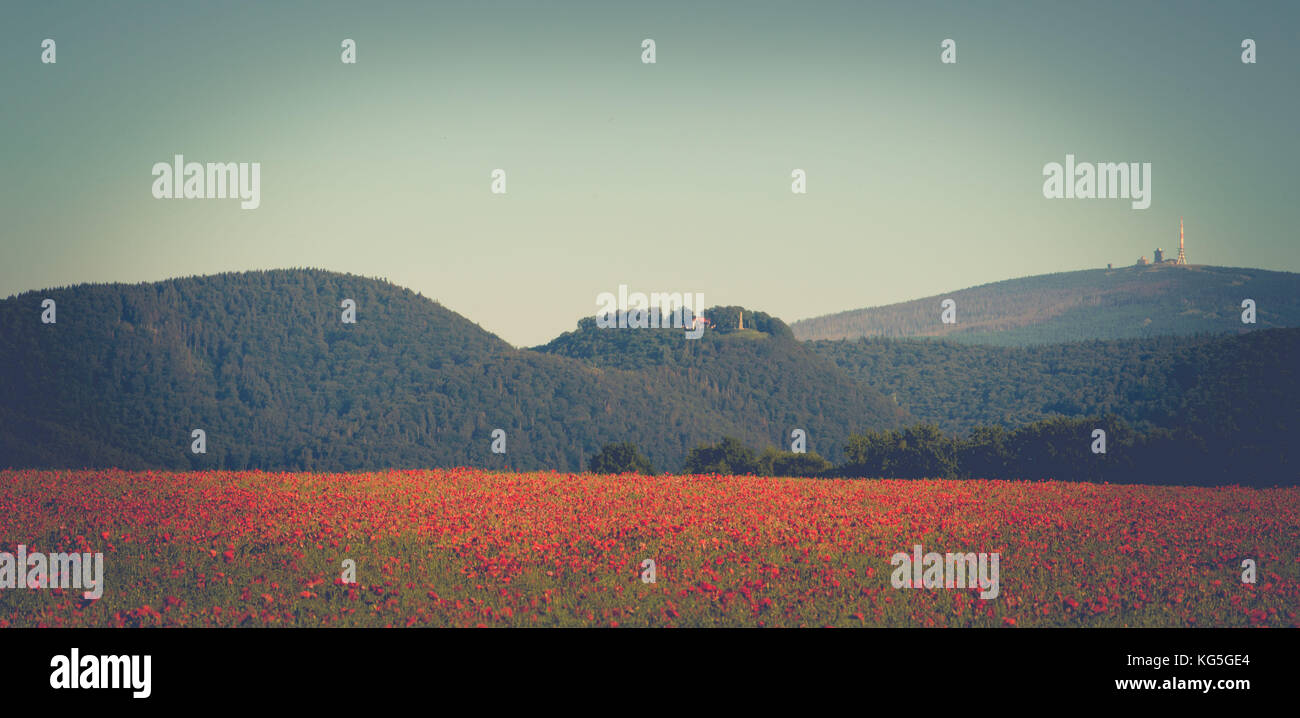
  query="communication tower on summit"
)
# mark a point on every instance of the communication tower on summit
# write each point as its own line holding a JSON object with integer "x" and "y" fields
{"x": 1182, "y": 254}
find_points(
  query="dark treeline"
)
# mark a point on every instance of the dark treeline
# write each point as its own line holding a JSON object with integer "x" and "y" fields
{"x": 1059, "y": 448}
{"x": 729, "y": 456}
{"x": 1062, "y": 448}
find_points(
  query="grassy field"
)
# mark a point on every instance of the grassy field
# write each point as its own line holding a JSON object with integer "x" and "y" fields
{"x": 464, "y": 547}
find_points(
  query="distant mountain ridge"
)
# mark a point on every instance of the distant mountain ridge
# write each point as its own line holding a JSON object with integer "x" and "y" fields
{"x": 1121, "y": 303}
{"x": 262, "y": 362}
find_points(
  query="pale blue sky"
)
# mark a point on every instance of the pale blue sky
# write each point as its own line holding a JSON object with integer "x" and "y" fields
{"x": 922, "y": 177}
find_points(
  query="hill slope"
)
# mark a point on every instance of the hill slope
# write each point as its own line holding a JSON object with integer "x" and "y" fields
{"x": 262, "y": 363}
{"x": 1215, "y": 384}
{"x": 1123, "y": 303}
{"x": 1231, "y": 401}
{"x": 761, "y": 373}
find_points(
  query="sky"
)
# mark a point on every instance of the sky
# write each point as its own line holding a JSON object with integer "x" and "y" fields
{"x": 922, "y": 177}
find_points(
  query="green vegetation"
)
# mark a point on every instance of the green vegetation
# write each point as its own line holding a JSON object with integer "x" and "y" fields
{"x": 263, "y": 364}
{"x": 1197, "y": 410}
{"x": 1239, "y": 388}
{"x": 730, "y": 456}
{"x": 1059, "y": 448}
{"x": 620, "y": 458}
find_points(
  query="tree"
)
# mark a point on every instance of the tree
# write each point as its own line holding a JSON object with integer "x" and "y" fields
{"x": 728, "y": 456}
{"x": 621, "y": 458}
{"x": 787, "y": 463}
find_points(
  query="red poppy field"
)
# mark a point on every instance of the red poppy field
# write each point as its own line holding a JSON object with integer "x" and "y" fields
{"x": 466, "y": 547}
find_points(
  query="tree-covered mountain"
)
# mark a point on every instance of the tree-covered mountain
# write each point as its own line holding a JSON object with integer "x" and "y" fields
{"x": 1224, "y": 385}
{"x": 1203, "y": 409}
{"x": 1121, "y": 303}
{"x": 262, "y": 363}
{"x": 763, "y": 381}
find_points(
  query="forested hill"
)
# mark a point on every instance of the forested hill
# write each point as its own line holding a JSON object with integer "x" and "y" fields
{"x": 1242, "y": 388}
{"x": 760, "y": 372}
{"x": 1122, "y": 303}
{"x": 262, "y": 362}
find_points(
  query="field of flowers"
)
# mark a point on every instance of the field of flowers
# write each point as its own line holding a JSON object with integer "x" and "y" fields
{"x": 466, "y": 547}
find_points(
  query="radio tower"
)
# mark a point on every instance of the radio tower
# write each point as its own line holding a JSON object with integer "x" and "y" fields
{"x": 1182, "y": 254}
